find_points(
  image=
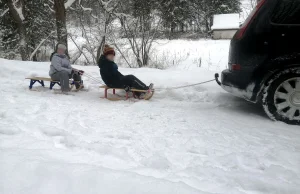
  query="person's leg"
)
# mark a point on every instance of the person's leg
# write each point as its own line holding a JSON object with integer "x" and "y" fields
{"x": 76, "y": 76}
{"x": 117, "y": 83}
{"x": 134, "y": 82}
{"x": 77, "y": 79}
{"x": 63, "y": 77}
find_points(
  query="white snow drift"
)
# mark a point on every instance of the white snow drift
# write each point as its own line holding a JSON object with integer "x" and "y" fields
{"x": 192, "y": 140}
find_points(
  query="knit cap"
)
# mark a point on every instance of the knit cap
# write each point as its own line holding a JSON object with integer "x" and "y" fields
{"x": 108, "y": 50}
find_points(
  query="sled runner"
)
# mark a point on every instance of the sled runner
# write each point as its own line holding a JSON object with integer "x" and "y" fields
{"x": 41, "y": 81}
{"x": 147, "y": 94}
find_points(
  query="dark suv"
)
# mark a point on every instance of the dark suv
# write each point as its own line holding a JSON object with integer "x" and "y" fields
{"x": 264, "y": 60}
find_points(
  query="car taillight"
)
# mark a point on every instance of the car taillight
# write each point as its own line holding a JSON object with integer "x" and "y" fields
{"x": 250, "y": 18}
{"x": 235, "y": 67}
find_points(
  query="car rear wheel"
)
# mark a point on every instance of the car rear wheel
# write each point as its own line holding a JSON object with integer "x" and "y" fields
{"x": 281, "y": 99}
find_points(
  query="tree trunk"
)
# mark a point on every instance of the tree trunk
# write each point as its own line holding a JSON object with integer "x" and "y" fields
{"x": 207, "y": 27}
{"x": 173, "y": 26}
{"x": 182, "y": 27}
{"x": 16, "y": 10}
{"x": 139, "y": 62}
{"x": 100, "y": 48}
{"x": 34, "y": 58}
{"x": 23, "y": 42}
{"x": 60, "y": 15}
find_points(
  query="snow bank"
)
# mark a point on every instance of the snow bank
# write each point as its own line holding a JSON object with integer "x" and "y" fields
{"x": 192, "y": 140}
{"x": 34, "y": 172}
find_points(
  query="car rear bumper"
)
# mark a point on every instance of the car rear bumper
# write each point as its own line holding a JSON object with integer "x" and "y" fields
{"x": 237, "y": 83}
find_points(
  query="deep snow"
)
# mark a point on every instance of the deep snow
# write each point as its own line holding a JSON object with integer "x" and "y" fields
{"x": 192, "y": 140}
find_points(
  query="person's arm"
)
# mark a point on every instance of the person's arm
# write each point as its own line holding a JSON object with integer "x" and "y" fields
{"x": 56, "y": 63}
{"x": 69, "y": 64}
{"x": 117, "y": 72}
{"x": 80, "y": 72}
{"x": 115, "y": 68}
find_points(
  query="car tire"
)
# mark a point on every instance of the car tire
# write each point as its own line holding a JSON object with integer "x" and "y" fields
{"x": 281, "y": 97}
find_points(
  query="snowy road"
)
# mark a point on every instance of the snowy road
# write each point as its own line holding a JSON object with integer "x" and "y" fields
{"x": 193, "y": 140}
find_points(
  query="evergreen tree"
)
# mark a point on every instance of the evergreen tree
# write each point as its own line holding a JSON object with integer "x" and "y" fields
{"x": 40, "y": 25}
{"x": 16, "y": 11}
{"x": 174, "y": 13}
{"x": 8, "y": 33}
{"x": 204, "y": 10}
{"x": 37, "y": 25}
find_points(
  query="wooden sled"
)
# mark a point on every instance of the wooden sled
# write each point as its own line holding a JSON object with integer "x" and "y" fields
{"x": 128, "y": 95}
{"x": 42, "y": 80}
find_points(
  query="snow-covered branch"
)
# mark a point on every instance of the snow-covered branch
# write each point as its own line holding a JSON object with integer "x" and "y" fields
{"x": 4, "y": 12}
{"x": 41, "y": 43}
{"x": 69, "y": 3}
{"x": 18, "y": 9}
{"x": 86, "y": 8}
{"x": 46, "y": 5}
{"x": 106, "y": 3}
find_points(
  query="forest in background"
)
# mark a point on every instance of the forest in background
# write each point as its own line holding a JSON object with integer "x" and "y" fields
{"x": 29, "y": 29}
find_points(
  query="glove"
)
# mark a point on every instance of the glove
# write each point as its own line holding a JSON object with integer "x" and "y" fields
{"x": 80, "y": 72}
{"x": 127, "y": 89}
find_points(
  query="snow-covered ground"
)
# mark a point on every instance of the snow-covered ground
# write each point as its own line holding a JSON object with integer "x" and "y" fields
{"x": 191, "y": 140}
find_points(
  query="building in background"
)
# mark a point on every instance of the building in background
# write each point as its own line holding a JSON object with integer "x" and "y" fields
{"x": 225, "y": 26}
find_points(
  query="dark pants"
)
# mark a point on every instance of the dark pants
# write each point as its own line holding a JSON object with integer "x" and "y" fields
{"x": 63, "y": 77}
{"x": 131, "y": 81}
{"x": 134, "y": 82}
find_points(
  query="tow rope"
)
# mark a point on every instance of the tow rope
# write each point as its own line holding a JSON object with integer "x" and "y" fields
{"x": 191, "y": 85}
{"x": 93, "y": 78}
{"x": 168, "y": 88}
{"x": 185, "y": 86}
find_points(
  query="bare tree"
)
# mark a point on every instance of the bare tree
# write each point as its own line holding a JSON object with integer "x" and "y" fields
{"x": 140, "y": 34}
{"x": 109, "y": 12}
{"x": 95, "y": 33}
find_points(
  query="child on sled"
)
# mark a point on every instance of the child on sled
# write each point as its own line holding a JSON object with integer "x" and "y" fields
{"x": 113, "y": 78}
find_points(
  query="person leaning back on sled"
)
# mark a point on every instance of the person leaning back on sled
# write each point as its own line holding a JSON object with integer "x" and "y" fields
{"x": 61, "y": 70}
{"x": 113, "y": 78}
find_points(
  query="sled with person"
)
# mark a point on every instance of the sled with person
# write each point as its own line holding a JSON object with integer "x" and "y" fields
{"x": 63, "y": 74}
{"x": 115, "y": 80}
{"x": 130, "y": 93}
{"x": 41, "y": 80}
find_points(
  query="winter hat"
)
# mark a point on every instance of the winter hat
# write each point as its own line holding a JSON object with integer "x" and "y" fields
{"x": 108, "y": 50}
{"x": 61, "y": 46}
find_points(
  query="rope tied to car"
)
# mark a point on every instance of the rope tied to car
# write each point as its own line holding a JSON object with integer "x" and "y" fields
{"x": 185, "y": 86}
{"x": 192, "y": 85}
{"x": 168, "y": 88}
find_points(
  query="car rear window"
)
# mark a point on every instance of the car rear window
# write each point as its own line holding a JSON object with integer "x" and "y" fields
{"x": 286, "y": 12}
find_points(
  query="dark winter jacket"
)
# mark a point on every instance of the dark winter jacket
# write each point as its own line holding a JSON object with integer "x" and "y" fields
{"x": 109, "y": 72}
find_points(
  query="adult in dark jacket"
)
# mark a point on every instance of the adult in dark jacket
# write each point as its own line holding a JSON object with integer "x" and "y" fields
{"x": 111, "y": 75}
{"x": 61, "y": 69}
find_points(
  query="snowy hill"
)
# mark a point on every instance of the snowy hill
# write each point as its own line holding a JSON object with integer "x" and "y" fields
{"x": 192, "y": 140}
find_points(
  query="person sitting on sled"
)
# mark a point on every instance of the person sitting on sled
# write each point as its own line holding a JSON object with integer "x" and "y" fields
{"x": 113, "y": 78}
{"x": 61, "y": 70}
